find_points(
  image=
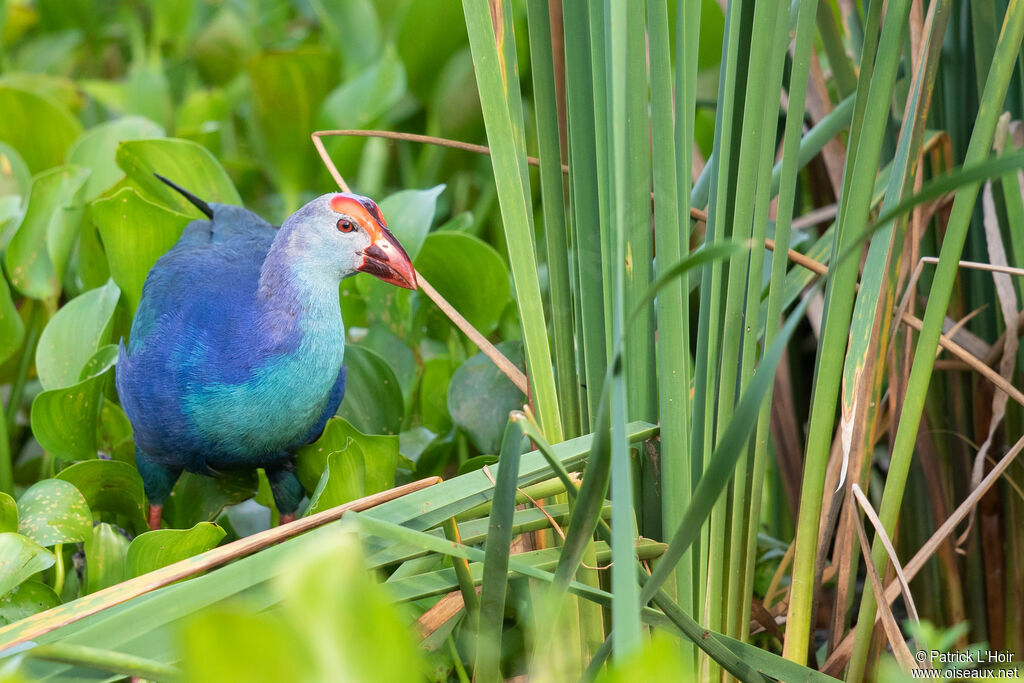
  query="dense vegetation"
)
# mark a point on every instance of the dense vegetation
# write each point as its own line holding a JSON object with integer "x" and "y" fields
{"x": 738, "y": 411}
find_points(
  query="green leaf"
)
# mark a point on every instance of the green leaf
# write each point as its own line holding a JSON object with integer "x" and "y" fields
{"x": 155, "y": 549}
{"x": 398, "y": 355}
{"x": 380, "y": 453}
{"x": 31, "y": 597}
{"x": 231, "y": 643}
{"x": 480, "y": 397}
{"x": 39, "y": 251}
{"x": 430, "y": 32}
{"x": 72, "y": 336}
{"x": 8, "y": 513}
{"x": 96, "y": 149}
{"x": 12, "y": 328}
{"x": 64, "y": 419}
{"x": 223, "y": 47}
{"x": 39, "y": 128}
{"x": 299, "y": 80}
{"x": 186, "y": 163}
{"x": 52, "y": 511}
{"x": 105, "y": 553}
{"x": 136, "y": 232}
{"x": 343, "y": 480}
{"x": 15, "y": 178}
{"x": 147, "y": 92}
{"x": 409, "y": 214}
{"x": 437, "y": 373}
{"x": 110, "y": 487}
{"x": 450, "y": 261}
{"x": 20, "y": 558}
{"x": 373, "y": 396}
{"x": 337, "y": 17}
{"x": 198, "y": 498}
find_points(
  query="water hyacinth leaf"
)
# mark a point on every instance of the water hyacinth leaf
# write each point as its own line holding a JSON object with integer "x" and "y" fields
{"x": 433, "y": 399}
{"x": 359, "y": 102}
{"x": 185, "y": 162}
{"x": 105, "y": 552}
{"x": 38, "y": 252}
{"x": 480, "y": 397}
{"x": 147, "y": 92}
{"x": 344, "y": 479}
{"x": 52, "y": 511}
{"x": 337, "y": 16}
{"x": 379, "y": 451}
{"x": 110, "y": 487}
{"x": 302, "y": 78}
{"x": 31, "y": 597}
{"x": 197, "y": 498}
{"x": 155, "y": 549}
{"x": 20, "y": 558}
{"x": 8, "y": 513}
{"x": 72, "y": 336}
{"x": 409, "y": 215}
{"x": 12, "y": 328}
{"x": 223, "y": 47}
{"x": 39, "y": 128}
{"x": 96, "y": 149}
{"x": 15, "y": 178}
{"x": 373, "y": 396}
{"x": 397, "y": 353}
{"x": 135, "y": 232}
{"x": 64, "y": 419}
{"x": 450, "y": 260}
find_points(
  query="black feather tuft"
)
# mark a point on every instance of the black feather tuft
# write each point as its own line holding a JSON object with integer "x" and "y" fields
{"x": 194, "y": 200}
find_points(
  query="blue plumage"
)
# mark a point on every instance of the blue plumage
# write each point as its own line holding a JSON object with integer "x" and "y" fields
{"x": 235, "y": 354}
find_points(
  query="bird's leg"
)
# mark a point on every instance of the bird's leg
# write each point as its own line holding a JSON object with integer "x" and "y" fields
{"x": 287, "y": 490}
{"x": 157, "y": 481}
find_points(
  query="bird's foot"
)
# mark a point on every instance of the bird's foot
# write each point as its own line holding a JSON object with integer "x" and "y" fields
{"x": 286, "y": 518}
{"x": 155, "y": 516}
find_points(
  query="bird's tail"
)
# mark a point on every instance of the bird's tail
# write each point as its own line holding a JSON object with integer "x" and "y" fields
{"x": 194, "y": 200}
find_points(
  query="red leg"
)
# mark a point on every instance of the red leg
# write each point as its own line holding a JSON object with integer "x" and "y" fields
{"x": 155, "y": 515}
{"x": 285, "y": 519}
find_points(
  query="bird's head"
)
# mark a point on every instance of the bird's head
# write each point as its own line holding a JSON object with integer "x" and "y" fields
{"x": 347, "y": 232}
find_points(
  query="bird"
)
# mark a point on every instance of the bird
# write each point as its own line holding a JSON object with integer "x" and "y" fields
{"x": 235, "y": 355}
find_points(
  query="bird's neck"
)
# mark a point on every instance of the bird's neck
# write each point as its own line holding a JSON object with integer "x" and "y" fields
{"x": 298, "y": 295}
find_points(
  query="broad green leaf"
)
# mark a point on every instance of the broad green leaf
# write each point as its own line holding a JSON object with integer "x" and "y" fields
{"x": 343, "y": 480}
{"x": 64, "y": 419}
{"x": 105, "y": 553}
{"x": 298, "y": 80}
{"x": 72, "y": 336}
{"x": 455, "y": 105}
{"x": 186, "y": 163}
{"x": 115, "y": 433}
{"x": 155, "y": 549}
{"x": 40, "y": 129}
{"x": 147, "y": 93}
{"x": 31, "y": 597}
{"x": 430, "y": 32}
{"x": 398, "y": 355}
{"x": 38, "y": 252}
{"x": 96, "y": 149}
{"x": 202, "y": 117}
{"x": 8, "y": 513}
{"x": 198, "y": 498}
{"x": 450, "y": 261}
{"x": 433, "y": 398}
{"x": 20, "y": 558}
{"x": 110, "y": 487}
{"x": 52, "y": 511}
{"x": 358, "y": 103}
{"x": 15, "y": 178}
{"x": 373, "y": 396}
{"x": 12, "y": 328}
{"x": 480, "y": 397}
{"x": 135, "y": 232}
{"x": 379, "y": 451}
{"x": 337, "y": 17}
{"x": 223, "y": 47}
{"x": 409, "y": 214}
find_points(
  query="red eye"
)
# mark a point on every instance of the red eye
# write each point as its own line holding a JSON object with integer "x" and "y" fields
{"x": 345, "y": 225}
